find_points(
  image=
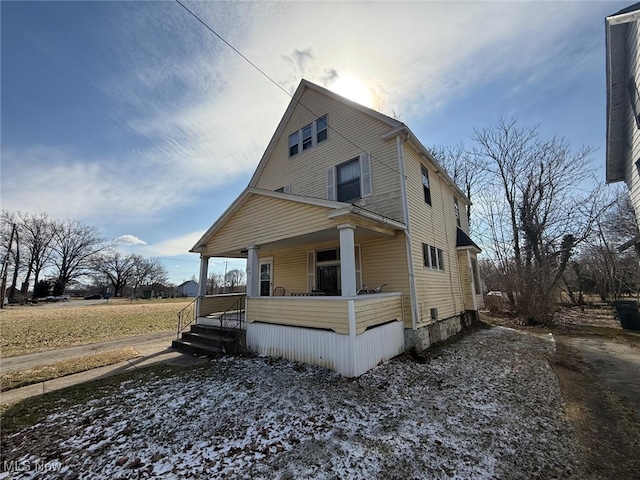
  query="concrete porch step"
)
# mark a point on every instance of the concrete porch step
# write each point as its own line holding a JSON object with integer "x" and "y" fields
{"x": 209, "y": 340}
{"x": 195, "y": 348}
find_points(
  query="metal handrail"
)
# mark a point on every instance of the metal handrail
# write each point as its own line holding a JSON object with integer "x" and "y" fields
{"x": 192, "y": 310}
{"x": 237, "y": 311}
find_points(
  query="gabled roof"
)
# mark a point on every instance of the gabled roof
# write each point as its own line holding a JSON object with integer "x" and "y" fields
{"x": 616, "y": 27}
{"x": 296, "y": 102}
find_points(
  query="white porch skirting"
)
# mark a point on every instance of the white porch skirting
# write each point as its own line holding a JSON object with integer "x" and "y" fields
{"x": 350, "y": 356}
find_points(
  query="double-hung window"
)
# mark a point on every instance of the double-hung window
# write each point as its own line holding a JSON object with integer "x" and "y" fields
{"x": 294, "y": 140}
{"x": 322, "y": 129}
{"x": 308, "y": 136}
{"x": 456, "y": 208}
{"x": 307, "y": 139}
{"x": 432, "y": 257}
{"x": 425, "y": 184}
{"x": 350, "y": 180}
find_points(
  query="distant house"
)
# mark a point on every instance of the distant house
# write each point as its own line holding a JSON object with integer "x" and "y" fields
{"x": 344, "y": 200}
{"x": 188, "y": 289}
{"x": 623, "y": 105}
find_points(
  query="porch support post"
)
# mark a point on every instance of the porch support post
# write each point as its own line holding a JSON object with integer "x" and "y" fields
{"x": 202, "y": 286}
{"x": 253, "y": 271}
{"x": 347, "y": 260}
{"x": 204, "y": 276}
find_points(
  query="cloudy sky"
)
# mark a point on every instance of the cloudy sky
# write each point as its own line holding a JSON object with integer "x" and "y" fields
{"x": 134, "y": 118}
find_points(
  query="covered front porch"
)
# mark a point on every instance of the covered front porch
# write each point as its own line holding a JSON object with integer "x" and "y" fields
{"x": 305, "y": 270}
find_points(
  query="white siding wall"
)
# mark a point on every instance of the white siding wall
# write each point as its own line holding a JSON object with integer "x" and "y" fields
{"x": 632, "y": 176}
{"x": 306, "y": 172}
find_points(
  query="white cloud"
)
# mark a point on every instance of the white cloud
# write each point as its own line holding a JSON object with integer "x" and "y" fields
{"x": 172, "y": 247}
{"x": 193, "y": 116}
{"x": 128, "y": 240}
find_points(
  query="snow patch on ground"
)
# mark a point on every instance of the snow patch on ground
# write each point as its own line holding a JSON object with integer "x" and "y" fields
{"x": 486, "y": 406}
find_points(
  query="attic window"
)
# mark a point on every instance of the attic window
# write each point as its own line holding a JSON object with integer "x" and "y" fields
{"x": 456, "y": 207}
{"x": 293, "y": 144}
{"x": 307, "y": 140}
{"x": 308, "y": 136}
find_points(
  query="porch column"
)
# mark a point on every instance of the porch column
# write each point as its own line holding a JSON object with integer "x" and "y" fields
{"x": 347, "y": 260}
{"x": 253, "y": 271}
{"x": 204, "y": 276}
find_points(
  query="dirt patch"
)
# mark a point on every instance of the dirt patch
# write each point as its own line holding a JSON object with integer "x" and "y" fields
{"x": 598, "y": 366}
{"x": 607, "y": 430}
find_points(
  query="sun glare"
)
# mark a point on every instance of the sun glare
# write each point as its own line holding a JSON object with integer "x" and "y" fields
{"x": 353, "y": 89}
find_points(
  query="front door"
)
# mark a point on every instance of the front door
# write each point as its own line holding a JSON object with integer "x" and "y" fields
{"x": 266, "y": 269}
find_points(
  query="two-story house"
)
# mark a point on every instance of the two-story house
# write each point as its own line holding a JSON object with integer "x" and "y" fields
{"x": 623, "y": 104}
{"x": 345, "y": 197}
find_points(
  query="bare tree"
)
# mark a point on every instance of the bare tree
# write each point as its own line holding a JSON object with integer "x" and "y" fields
{"x": 117, "y": 268}
{"x": 74, "y": 247}
{"x": 536, "y": 211}
{"x": 148, "y": 271}
{"x": 11, "y": 250}
{"x": 215, "y": 283}
{"x": 234, "y": 279}
{"x": 600, "y": 267}
{"x": 37, "y": 233}
{"x": 466, "y": 169}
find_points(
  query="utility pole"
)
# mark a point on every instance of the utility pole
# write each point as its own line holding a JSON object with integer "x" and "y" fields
{"x": 5, "y": 267}
{"x": 224, "y": 280}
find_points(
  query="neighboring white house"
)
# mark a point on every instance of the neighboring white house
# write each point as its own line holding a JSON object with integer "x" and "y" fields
{"x": 623, "y": 105}
{"x": 188, "y": 289}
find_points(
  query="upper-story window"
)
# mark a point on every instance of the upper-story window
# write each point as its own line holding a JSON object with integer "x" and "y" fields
{"x": 307, "y": 140}
{"x": 308, "y": 136}
{"x": 294, "y": 140}
{"x": 350, "y": 180}
{"x": 425, "y": 184}
{"x": 456, "y": 208}
{"x": 634, "y": 98}
{"x": 322, "y": 129}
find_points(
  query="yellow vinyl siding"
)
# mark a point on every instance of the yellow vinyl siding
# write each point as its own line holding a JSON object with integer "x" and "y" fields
{"x": 383, "y": 261}
{"x": 434, "y": 225}
{"x": 218, "y": 303}
{"x": 265, "y": 219}
{"x": 465, "y": 274}
{"x": 371, "y": 311}
{"x": 306, "y": 172}
{"x": 309, "y": 312}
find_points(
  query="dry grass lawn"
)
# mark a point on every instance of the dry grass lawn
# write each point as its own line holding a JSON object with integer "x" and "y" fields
{"x": 22, "y": 378}
{"x": 29, "y": 329}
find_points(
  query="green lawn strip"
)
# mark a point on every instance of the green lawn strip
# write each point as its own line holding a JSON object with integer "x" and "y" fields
{"x": 33, "y": 410}
{"x": 22, "y": 378}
